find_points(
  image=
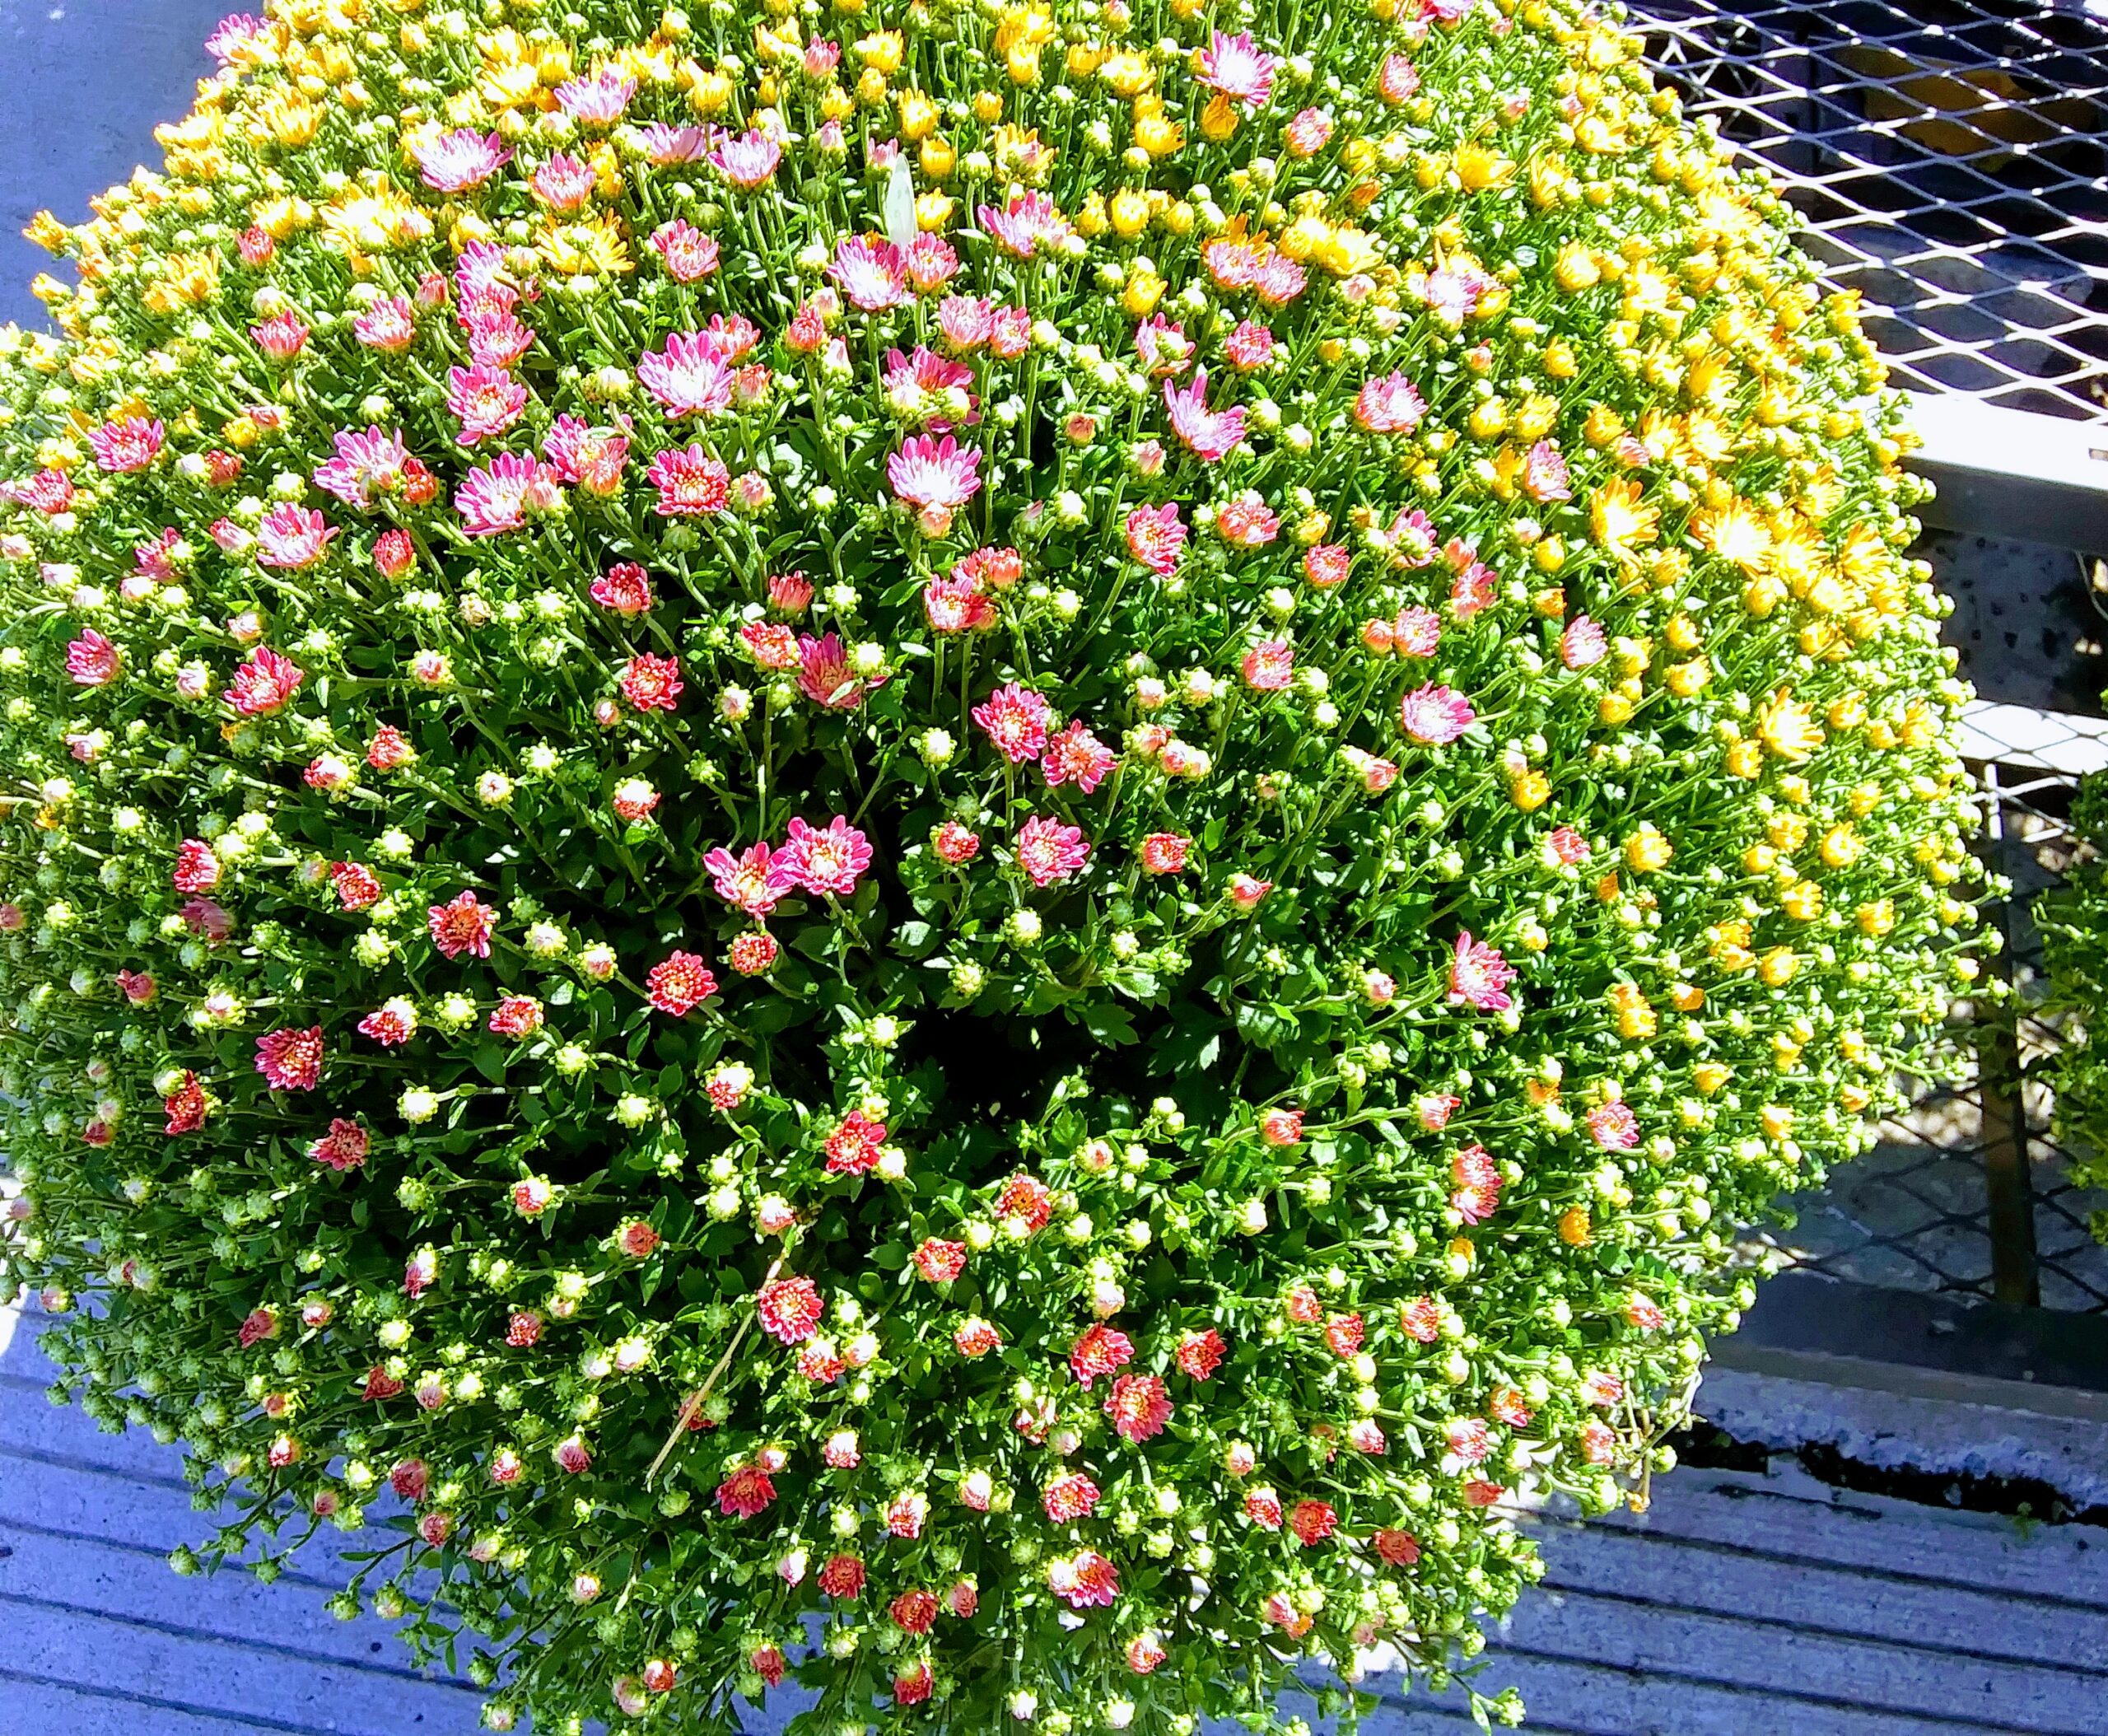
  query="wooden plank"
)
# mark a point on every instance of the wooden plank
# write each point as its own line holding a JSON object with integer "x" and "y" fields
{"x": 29, "y": 1421}
{"x": 1568, "y": 1698}
{"x": 1626, "y": 1634}
{"x": 1722, "y": 1580}
{"x": 33, "y": 1706}
{"x": 128, "y": 1584}
{"x": 1792, "y": 1516}
{"x": 301, "y": 1688}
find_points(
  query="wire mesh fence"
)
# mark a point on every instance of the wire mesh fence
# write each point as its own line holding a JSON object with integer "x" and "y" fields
{"x": 1948, "y": 158}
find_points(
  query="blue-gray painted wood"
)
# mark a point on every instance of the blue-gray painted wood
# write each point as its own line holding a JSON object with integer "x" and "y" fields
{"x": 1738, "y": 1605}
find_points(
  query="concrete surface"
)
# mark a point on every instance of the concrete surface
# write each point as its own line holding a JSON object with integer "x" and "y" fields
{"x": 83, "y": 83}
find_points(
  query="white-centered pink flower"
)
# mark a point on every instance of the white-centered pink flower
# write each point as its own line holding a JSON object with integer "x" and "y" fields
{"x": 870, "y": 273}
{"x": 936, "y": 474}
{"x": 293, "y": 539}
{"x": 598, "y": 101}
{"x": 455, "y": 161}
{"x": 1237, "y": 67}
{"x": 1478, "y": 975}
{"x": 748, "y": 159}
{"x": 689, "y": 378}
{"x": 365, "y": 464}
{"x": 1028, "y": 224}
{"x": 1207, "y": 434}
{"x": 1435, "y": 715}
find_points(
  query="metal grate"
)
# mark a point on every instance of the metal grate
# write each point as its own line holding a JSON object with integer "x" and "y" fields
{"x": 1950, "y": 161}
{"x": 1967, "y": 1195}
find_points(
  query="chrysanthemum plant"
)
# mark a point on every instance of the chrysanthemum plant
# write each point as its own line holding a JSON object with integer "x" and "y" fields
{"x": 967, "y": 852}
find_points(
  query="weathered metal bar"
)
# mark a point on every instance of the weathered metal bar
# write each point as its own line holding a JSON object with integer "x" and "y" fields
{"x": 2012, "y": 474}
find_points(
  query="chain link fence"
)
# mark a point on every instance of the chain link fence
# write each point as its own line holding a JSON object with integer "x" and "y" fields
{"x": 1947, "y": 158}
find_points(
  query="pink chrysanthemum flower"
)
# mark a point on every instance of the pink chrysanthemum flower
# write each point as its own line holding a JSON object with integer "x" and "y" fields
{"x": 652, "y": 683}
{"x": 455, "y": 161}
{"x": 624, "y": 588}
{"x": 290, "y": 1061}
{"x": 185, "y": 1108}
{"x": 564, "y": 183}
{"x": 664, "y": 144}
{"x": 1200, "y": 1354}
{"x": 497, "y": 337}
{"x": 689, "y": 378}
{"x": 1416, "y": 632}
{"x": 1139, "y": 1406}
{"x": 926, "y": 389}
{"x": 496, "y": 497}
{"x": 1155, "y": 537}
{"x": 678, "y": 983}
{"x": 1269, "y": 666}
{"x": 931, "y": 262}
{"x": 748, "y": 159}
{"x": 1478, "y": 1184}
{"x": 196, "y": 869}
{"x": 282, "y": 336}
{"x": 265, "y": 684}
{"x": 965, "y": 323}
{"x": 1015, "y": 719}
{"x": 130, "y": 443}
{"x": 939, "y": 1262}
{"x": 751, "y": 881}
{"x": 689, "y": 254}
{"x": 1390, "y": 405}
{"x": 1207, "y": 434}
{"x": 1078, "y": 757}
{"x": 293, "y": 539}
{"x": 1614, "y": 1126}
{"x": 484, "y": 400}
{"x": 1165, "y": 852}
{"x": 790, "y": 1310}
{"x": 365, "y": 464}
{"x": 1435, "y": 716}
{"x": 1478, "y": 975}
{"x": 1237, "y": 67}
{"x": 957, "y": 606}
{"x": 829, "y": 859}
{"x": 462, "y": 925}
{"x": 592, "y": 457}
{"x": 1583, "y": 644}
{"x": 1545, "y": 478}
{"x": 1164, "y": 349}
{"x": 342, "y": 1147}
{"x": 598, "y": 102}
{"x": 745, "y": 1492}
{"x": 1309, "y": 134}
{"x": 516, "y": 1016}
{"x": 824, "y": 676}
{"x": 870, "y": 272}
{"x": 244, "y": 42}
{"x": 1398, "y": 81}
{"x": 1028, "y": 222}
{"x": 390, "y": 325}
{"x": 691, "y": 483}
{"x": 92, "y": 660}
{"x": 1249, "y": 348}
{"x": 936, "y": 475}
{"x": 1084, "y": 1581}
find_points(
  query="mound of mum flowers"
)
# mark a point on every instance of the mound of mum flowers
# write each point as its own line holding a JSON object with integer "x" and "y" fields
{"x": 962, "y": 856}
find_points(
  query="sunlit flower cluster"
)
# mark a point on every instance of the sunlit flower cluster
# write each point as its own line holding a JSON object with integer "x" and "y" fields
{"x": 965, "y": 854}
